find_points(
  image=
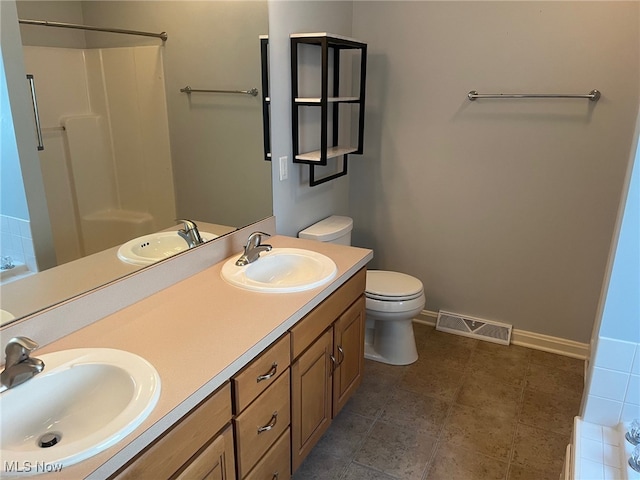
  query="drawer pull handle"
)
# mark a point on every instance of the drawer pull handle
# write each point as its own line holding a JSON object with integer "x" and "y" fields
{"x": 275, "y": 476}
{"x": 270, "y": 425}
{"x": 341, "y": 352}
{"x": 269, "y": 374}
{"x": 336, "y": 363}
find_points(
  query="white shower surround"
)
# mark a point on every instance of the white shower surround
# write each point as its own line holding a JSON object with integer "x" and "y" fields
{"x": 108, "y": 175}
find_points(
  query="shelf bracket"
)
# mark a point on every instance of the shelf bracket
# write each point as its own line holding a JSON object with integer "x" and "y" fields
{"x": 312, "y": 177}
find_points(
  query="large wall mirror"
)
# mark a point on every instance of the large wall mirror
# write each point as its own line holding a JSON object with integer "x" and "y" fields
{"x": 126, "y": 153}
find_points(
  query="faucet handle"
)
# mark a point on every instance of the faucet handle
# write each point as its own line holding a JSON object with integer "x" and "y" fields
{"x": 255, "y": 238}
{"x": 188, "y": 224}
{"x": 18, "y": 349}
{"x": 25, "y": 342}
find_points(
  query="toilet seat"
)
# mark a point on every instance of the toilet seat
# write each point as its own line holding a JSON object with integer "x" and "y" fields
{"x": 392, "y": 286}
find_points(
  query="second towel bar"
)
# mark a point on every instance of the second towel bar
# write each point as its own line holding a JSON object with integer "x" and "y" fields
{"x": 593, "y": 95}
{"x": 253, "y": 92}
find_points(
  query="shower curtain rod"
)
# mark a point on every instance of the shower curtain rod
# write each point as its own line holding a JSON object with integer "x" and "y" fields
{"x": 46, "y": 23}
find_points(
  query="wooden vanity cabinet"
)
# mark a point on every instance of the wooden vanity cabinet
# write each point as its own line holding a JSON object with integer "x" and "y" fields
{"x": 275, "y": 409}
{"x": 215, "y": 462}
{"x": 261, "y": 394}
{"x": 197, "y": 447}
{"x": 348, "y": 350}
{"x": 328, "y": 350}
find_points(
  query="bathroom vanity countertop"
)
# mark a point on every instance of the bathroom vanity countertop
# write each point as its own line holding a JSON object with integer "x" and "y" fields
{"x": 70, "y": 279}
{"x": 198, "y": 333}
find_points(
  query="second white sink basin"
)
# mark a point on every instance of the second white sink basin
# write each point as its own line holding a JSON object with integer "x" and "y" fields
{"x": 83, "y": 402}
{"x": 150, "y": 248}
{"x": 282, "y": 270}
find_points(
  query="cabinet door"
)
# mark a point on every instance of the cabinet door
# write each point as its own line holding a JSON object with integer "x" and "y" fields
{"x": 348, "y": 352}
{"x": 215, "y": 462}
{"x": 175, "y": 449}
{"x": 310, "y": 397}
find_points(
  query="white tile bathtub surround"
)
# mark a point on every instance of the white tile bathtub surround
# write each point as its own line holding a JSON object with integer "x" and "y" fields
{"x": 629, "y": 412}
{"x": 635, "y": 368}
{"x": 602, "y": 411}
{"x": 633, "y": 390}
{"x": 16, "y": 240}
{"x": 609, "y": 384}
{"x": 598, "y": 454}
{"x": 614, "y": 392}
{"x": 615, "y": 354}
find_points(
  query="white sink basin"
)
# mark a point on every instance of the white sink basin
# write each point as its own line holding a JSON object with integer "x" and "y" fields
{"x": 150, "y": 248}
{"x": 282, "y": 270}
{"x": 88, "y": 398}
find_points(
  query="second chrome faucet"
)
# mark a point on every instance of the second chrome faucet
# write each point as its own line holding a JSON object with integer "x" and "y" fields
{"x": 190, "y": 233}
{"x": 253, "y": 248}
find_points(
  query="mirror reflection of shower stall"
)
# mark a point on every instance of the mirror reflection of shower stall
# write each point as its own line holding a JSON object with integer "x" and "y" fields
{"x": 106, "y": 164}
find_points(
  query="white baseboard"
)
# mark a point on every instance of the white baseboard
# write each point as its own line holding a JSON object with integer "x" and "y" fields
{"x": 537, "y": 341}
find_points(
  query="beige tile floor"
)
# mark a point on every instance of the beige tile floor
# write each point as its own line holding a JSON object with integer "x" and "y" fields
{"x": 466, "y": 410}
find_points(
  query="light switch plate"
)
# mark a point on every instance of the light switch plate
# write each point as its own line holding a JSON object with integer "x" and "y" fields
{"x": 284, "y": 173}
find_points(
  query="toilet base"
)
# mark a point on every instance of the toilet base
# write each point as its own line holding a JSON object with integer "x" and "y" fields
{"x": 391, "y": 342}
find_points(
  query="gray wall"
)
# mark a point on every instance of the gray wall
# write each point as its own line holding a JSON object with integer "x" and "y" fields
{"x": 504, "y": 209}
{"x": 216, "y": 139}
{"x": 58, "y": 11}
{"x": 295, "y": 204}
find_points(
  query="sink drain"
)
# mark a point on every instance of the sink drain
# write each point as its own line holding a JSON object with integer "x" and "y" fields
{"x": 49, "y": 439}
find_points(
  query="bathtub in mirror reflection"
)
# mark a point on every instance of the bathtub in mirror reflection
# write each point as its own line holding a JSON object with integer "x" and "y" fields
{"x": 125, "y": 152}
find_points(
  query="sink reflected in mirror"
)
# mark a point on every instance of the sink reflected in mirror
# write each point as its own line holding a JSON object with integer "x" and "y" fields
{"x": 281, "y": 270}
{"x": 84, "y": 401}
{"x": 150, "y": 248}
{"x": 213, "y": 170}
{"x": 5, "y": 316}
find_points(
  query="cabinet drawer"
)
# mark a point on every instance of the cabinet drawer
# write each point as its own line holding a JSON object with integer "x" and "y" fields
{"x": 276, "y": 464}
{"x": 318, "y": 320}
{"x": 262, "y": 423}
{"x": 259, "y": 374}
{"x": 171, "y": 451}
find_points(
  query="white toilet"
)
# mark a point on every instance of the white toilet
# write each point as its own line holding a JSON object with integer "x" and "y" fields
{"x": 392, "y": 300}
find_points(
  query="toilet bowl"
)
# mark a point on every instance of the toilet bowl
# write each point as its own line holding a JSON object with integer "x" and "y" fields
{"x": 393, "y": 299}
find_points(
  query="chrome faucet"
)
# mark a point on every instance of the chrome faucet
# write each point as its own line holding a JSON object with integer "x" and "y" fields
{"x": 190, "y": 233}
{"x": 19, "y": 366}
{"x": 253, "y": 248}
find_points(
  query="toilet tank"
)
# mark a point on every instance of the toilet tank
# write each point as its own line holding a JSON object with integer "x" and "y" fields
{"x": 333, "y": 229}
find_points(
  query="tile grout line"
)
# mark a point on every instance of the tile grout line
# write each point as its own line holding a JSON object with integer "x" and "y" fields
{"x": 452, "y": 404}
{"x": 354, "y": 455}
{"x": 517, "y": 419}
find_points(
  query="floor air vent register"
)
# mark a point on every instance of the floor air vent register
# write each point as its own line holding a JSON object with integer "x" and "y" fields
{"x": 474, "y": 327}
